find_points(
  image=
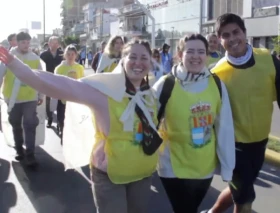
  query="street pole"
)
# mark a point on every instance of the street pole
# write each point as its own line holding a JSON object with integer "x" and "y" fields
{"x": 172, "y": 43}
{"x": 200, "y": 16}
{"x": 44, "y": 20}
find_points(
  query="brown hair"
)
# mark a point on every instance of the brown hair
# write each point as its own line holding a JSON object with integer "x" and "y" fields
{"x": 109, "y": 48}
{"x": 195, "y": 36}
{"x": 128, "y": 45}
{"x": 70, "y": 47}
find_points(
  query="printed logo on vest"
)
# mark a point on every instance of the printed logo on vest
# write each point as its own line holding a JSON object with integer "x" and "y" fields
{"x": 201, "y": 124}
{"x": 138, "y": 135}
{"x": 72, "y": 74}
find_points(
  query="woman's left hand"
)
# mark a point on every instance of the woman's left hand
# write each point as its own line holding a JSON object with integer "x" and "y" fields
{"x": 5, "y": 56}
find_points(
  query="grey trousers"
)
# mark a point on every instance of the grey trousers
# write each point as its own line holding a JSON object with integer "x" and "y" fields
{"x": 23, "y": 116}
{"x": 119, "y": 198}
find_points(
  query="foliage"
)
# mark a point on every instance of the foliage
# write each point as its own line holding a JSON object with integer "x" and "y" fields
{"x": 276, "y": 43}
{"x": 71, "y": 40}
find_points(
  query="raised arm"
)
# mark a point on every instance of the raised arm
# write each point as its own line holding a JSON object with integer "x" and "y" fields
{"x": 56, "y": 86}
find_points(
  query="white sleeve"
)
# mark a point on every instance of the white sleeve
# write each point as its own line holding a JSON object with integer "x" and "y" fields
{"x": 157, "y": 87}
{"x": 225, "y": 137}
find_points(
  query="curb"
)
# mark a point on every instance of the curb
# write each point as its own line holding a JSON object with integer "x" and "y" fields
{"x": 271, "y": 156}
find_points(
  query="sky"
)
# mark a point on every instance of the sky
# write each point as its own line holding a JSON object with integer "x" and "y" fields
{"x": 17, "y": 14}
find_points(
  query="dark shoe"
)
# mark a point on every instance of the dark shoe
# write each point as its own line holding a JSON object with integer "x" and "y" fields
{"x": 30, "y": 160}
{"x": 58, "y": 129}
{"x": 49, "y": 125}
{"x": 20, "y": 155}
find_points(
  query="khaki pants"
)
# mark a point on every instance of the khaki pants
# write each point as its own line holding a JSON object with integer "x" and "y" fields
{"x": 119, "y": 198}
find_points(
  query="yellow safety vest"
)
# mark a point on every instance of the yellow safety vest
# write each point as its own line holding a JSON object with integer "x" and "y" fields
{"x": 211, "y": 60}
{"x": 189, "y": 119}
{"x": 126, "y": 159}
{"x": 251, "y": 92}
{"x": 26, "y": 93}
{"x": 75, "y": 71}
{"x": 111, "y": 67}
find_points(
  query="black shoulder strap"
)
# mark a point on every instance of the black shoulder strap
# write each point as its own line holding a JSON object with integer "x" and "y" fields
{"x": 218, "y": 82}
{"x": 165, "y": 94}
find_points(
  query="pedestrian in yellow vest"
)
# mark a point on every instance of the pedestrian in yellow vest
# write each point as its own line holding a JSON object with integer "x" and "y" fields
{"x": 111, "y": 55}
{"x": 22, "y": 101}
{"x": 71, "y": 69}
{"x": 252, "y": 77}
{"x": 197, "y": 127}
{"x": 214, "y": 55}
{"x": 115, "y": 131}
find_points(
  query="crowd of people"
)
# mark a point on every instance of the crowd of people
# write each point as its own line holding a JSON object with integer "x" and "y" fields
{"x": 187, "y": 120}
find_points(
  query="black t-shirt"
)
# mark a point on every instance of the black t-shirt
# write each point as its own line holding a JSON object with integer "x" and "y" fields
{"x": 51, "y": 61}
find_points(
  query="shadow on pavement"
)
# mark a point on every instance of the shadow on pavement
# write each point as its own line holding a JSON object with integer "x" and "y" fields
{"x": 51, "y": 189}
{"x": 270, "y": 173}
{"x": 8, "y": 195}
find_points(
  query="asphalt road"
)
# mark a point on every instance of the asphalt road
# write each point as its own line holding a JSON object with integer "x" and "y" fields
{"x": 50, "y": 189}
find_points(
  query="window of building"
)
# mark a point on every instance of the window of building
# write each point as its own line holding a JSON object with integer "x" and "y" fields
{"x": 256, "y": 42}
{"x": 268, "y": 43}
{"x": 210, "y": 9}
{"x": 229, "y": 6}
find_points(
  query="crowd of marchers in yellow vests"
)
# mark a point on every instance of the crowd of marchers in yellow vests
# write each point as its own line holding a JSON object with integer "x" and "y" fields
{"x": 142, "y": 112}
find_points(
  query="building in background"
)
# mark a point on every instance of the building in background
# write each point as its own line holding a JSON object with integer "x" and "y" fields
{"x": 262, "y": 22}
{"x": 215, "y": 8}
{"x": 96, "y": 26}
{"x": 174, "y": 18}
{"x": 72, "y": 14}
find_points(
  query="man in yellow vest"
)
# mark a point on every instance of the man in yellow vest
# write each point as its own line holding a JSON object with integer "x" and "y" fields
{"x": 252, "y": 78}
{"x": 22, "y": 101}
{"x": 214, "y": 55}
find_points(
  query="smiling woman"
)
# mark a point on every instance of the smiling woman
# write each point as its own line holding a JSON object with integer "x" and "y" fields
{"x": 197, "y": 128}
{"x": 120, "y": 137}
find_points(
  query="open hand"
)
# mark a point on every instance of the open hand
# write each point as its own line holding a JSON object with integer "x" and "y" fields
{"x": 5, "y": 56}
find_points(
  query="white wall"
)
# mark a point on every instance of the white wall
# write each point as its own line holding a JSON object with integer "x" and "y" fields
{"x": 183, "y": 16}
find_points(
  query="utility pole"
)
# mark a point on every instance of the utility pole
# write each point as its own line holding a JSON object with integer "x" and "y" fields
{"x": 101, "y": 23}
{"x": 44, "y": 20}
{"x": 201, "y": 16}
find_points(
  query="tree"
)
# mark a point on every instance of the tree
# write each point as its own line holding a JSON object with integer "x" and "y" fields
{"x": 71, "y": 40}
{"x": 276, "y": 44}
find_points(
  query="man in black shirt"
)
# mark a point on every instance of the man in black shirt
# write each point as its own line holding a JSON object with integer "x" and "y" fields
{"x": 52, "y": 57}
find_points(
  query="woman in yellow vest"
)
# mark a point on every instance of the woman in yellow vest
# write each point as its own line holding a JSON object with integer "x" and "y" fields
{"x": 111, "y": 55}
{"x": 197, "y": 128}
{"x": 69, "y": 68}
{"x": 214, "y": 55}
{"x": 115, "y": 131}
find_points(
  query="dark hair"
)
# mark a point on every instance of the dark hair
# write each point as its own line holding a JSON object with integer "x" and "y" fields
{"x": 72, "y": 48}
{"x": 103, "y": 43}
{"x": 183, "y": 41}
{"x": 23, "y": 36}
{"x": 128, "y": 45}
{"x": 229, "y": 18}
{"x": 10, "y": 37}
{"x": 155, "y": 51}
